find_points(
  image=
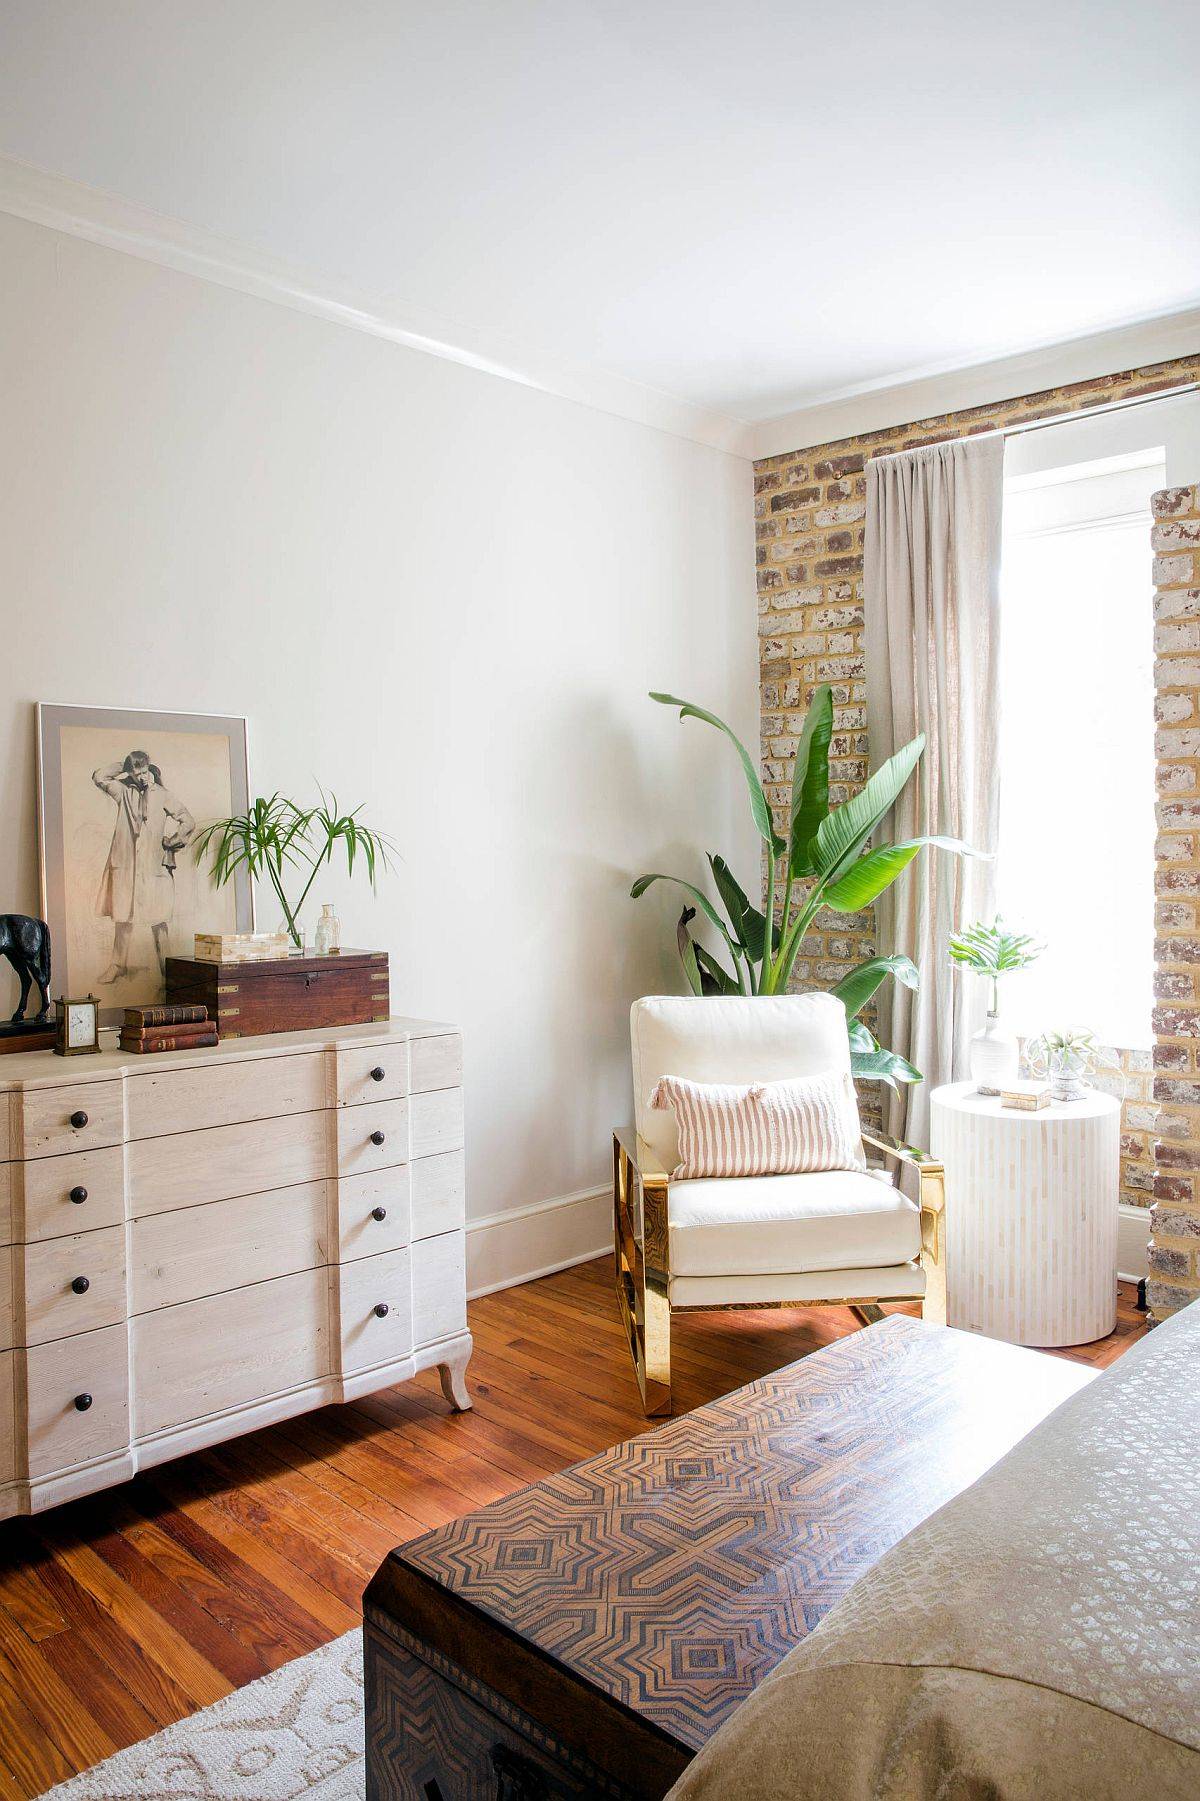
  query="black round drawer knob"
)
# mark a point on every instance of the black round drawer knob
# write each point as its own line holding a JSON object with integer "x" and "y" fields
{"x": 82, "y": 1403}
{"x": 381, "y": 1310}
{"x": 376, "y": 1137}
{"x": 80, "y": 1285}
{"x": 79, "y": 1120}
{"x": 78, "y": 1195}
{"x": 379, "y": 1213}
{"x": 377, "y": 1074}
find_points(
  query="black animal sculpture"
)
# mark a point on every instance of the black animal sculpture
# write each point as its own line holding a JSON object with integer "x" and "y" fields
{"x": 26, "y": 944}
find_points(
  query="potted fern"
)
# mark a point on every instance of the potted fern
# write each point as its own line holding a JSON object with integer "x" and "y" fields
{"x": 825, "y": 860}
{"x": 281, "y": 843}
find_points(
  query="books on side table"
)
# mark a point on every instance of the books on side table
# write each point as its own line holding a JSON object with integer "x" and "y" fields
{"x": 171, "y": 1028}
{"x": 1026, "y": 1097}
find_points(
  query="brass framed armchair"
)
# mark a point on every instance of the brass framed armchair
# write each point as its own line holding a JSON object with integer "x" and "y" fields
{"x": 837, "y": 1238}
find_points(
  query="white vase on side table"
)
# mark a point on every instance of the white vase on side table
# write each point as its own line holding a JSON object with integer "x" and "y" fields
{"x": 995, "y": 1057}
{"x": 1031, "y": 1215}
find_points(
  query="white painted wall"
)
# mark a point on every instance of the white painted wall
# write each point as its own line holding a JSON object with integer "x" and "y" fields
{"x": 440, "y": 593}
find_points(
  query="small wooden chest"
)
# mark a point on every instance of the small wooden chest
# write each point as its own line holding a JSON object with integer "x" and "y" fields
{"x": 293, "y": 994}
{"x": 586, "y": 1636}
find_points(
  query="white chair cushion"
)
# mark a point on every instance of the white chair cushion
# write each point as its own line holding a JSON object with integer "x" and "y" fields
{"x": 781, "y": 1225}
{"x": 728, "y": 1038}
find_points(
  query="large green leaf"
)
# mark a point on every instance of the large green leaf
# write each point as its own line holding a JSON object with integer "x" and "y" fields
{"x": 687, "y": 950}
{"x": 856, "y": 989}
{"x": 866, "y": 879}
{"x": 860, "y": 1038}
{"x": 733, "y": 895}
{"x": 810, "y": 780}
{"x": 714, "y": 979}
{"x": 882, "y": 1066}
{"x": 842, "y": 833}
{"x": 758, "y": 800}
{"x": 701, "y": 899}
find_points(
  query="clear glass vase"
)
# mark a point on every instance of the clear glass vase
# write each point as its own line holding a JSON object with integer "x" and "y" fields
{"x": 329, "y": 932}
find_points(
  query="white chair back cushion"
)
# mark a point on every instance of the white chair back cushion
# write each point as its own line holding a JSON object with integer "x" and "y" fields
{"x": 728, "y": 1038}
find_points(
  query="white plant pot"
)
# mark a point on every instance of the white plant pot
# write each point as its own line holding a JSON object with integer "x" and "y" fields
{"x": 995, "y": 1057}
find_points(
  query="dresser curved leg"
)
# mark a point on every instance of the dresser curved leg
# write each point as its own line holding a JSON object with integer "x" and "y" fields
{"x": 453, "y": 1377}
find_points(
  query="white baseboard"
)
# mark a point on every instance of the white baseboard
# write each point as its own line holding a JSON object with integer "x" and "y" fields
{"x": 1133, "y": 1233}
{"x": 526, "y": 1242}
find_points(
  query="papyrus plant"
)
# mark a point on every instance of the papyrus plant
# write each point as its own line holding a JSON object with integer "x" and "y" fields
{"x": 825, "y": 860}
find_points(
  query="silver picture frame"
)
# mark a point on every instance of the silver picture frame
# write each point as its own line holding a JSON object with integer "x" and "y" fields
{"x": 121, "y": 888}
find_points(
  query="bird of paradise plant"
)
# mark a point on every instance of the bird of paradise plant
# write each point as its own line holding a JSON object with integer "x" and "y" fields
{"x": 824, "y": 860}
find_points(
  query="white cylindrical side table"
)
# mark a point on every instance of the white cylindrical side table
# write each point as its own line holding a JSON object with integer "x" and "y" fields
{"x": 1031, "y": 1215}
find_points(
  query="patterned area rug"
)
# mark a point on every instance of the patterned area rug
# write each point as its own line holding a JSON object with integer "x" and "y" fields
{"x": 297, "y": 1732}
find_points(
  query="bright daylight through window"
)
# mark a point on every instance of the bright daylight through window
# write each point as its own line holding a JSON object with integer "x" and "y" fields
{"x": 1076, "y": 839}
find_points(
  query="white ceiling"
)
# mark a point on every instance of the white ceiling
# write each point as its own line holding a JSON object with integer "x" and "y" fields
{"x": 749, "y": 206}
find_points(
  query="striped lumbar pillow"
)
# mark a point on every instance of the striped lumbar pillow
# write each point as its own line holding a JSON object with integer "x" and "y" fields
{"x": 765, "y": 1129}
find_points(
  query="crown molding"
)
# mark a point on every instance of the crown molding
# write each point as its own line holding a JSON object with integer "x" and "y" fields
{"x": 85, "y": 212}
{"x": 929, "y": 393}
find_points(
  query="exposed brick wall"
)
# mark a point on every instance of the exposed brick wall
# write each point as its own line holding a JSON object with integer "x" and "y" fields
{"x": 1175, "y": 1244}
{"x": 810, "y": 505}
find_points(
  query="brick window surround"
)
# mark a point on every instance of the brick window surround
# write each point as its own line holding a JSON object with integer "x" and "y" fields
{"x": 809, "y": 510}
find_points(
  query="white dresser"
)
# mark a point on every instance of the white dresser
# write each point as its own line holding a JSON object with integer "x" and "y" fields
{"x": 201, "y": 1242}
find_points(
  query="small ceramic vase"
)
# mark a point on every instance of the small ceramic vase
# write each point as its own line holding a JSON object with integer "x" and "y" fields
{"x": 995, "y": 1057}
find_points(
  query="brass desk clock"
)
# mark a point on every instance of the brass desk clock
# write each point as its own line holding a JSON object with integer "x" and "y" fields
{"x": 76, "y": 1026}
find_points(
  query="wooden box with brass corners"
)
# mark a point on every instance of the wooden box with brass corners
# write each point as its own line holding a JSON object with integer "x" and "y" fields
{"x": 293, "y": 994}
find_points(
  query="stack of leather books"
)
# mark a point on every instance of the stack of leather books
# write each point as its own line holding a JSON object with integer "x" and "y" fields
{"x": 169, "y": 1028}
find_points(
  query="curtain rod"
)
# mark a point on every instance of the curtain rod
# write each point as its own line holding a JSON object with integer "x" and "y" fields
{"x": 1088, "y": 412}
{"x": 1093, "y": 412}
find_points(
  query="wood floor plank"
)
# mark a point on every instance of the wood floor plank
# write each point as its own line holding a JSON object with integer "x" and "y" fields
{"x": 22, "y": 1594}
{"x": 66, "y": 1717}
{"x": 128, "y": 1610}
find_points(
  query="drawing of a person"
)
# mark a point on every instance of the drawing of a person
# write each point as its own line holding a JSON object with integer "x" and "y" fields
{"x": 138, "y": 884}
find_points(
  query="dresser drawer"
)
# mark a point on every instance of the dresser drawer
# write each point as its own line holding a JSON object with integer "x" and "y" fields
{"x": 9, "y": 1176}
{"x": 77, "y": 1193}
{"x": 8, "y": 1416}
{"x": 439, "y": 1287}
{"x": 76, "y": 1118}
{"x": 221, "y": 1094}
{"x": 437, "y": 1122}
{"x": 358, "y": 1128}
{"x": 229, "y": 1350}
{"x": 199, "y": 1251}
{"x": 361, "y": 1233}
{"x": 436, "y": 1062}
{"x": 376, "y": 1072}
{"x": 439, "y": 1194}
{"x": 91, "y": 1368}
{"x": 215, "y": 1165}
{"x": 369, "y": 1337}
{"x": 52, "y": 1270}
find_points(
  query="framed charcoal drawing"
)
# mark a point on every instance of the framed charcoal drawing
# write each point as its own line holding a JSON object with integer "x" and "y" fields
{"x": 121, "y": 795}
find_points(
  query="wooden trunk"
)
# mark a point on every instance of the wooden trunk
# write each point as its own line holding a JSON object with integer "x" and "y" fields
{"x": 293, "y": 994}
{"x": 588, "y": 1635}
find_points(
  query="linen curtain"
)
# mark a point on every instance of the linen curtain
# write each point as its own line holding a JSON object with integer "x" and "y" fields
{"x": 932, "y": 579}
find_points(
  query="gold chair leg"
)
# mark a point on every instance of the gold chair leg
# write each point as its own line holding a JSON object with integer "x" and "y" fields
{"x": 933, "y": 1243}
{"x": 641, "y": 1287}
{"x": 867, "y": 1313}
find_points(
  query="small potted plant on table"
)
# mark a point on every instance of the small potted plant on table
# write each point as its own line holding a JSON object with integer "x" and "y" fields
{"x": 993, "y": 951}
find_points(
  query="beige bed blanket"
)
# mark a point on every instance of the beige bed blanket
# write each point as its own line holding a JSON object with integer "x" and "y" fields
{"x": 1038, "y": 1637}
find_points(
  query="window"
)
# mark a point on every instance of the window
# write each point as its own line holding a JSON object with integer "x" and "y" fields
{"x": 1075, "y": 858}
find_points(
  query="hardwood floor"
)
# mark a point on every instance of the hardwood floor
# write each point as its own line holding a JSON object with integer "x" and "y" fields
{"x": 129, "y": 1610}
